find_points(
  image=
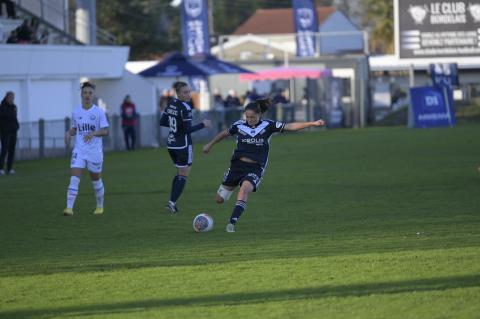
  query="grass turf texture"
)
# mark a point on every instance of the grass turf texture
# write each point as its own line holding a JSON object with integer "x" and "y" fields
{"x": 375, "y": 223}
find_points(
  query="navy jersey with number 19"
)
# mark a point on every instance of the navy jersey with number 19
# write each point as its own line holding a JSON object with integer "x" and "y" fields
{"x": 178, "y": 117}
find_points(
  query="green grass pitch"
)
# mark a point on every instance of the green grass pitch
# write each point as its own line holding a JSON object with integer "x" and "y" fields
{"x": 368, "y": 223}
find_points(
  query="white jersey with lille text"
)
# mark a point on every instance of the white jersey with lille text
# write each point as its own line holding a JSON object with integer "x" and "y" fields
{"x": 86, "y": 121}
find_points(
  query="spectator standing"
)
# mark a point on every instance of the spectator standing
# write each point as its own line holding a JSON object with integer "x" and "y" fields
{"x": 218, "y": 103}
{"x": 232, "y": 99}
{"x": 279, "y": 98}
{"x": 24, "y": 33}
{"x": 8, "y": 132}
{"x": 129, "y": 122}
{"x": 12, "y": 38}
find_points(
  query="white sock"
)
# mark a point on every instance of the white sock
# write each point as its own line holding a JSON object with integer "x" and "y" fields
{"x": 99, "y": 192}
{"x": 72, "y": 191}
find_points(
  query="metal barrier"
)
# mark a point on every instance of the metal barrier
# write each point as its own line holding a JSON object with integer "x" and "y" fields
{"x": 44, "y": 139}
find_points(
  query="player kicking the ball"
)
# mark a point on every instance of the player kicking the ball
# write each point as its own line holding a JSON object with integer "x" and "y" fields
{"x": 89, "y": 124}
{"x": 250, "y": 157}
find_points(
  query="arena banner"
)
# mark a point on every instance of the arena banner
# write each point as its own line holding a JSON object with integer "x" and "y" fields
{"x": 437, "y": 28}
{"x": 196, "y": 39}
{"x": 306, "y": 25}
{"x": 444, "y": 74}
{"x": 432, "y": 106}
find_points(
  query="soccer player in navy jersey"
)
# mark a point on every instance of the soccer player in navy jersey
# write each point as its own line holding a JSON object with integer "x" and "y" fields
{"x": 250, "y": 157}
{"x": 178, "y": 118}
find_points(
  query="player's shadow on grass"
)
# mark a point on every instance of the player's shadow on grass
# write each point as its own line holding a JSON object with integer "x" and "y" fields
{"x": 234, "y": 299}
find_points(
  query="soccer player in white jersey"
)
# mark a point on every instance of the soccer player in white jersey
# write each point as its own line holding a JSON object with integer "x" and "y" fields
{"x": 89, "y": 125}
{"x": 250, "y": 157}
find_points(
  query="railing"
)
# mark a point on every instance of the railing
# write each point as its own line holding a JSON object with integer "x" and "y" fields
{"x": 46, "y": 138}
{"x": 65, "y": 32}
{"x": 56, "y": 35}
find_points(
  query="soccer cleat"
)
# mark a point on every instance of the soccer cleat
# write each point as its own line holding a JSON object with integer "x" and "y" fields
{"x": 11, "y": 172}
{"x": 2, "y": 172}
{"x": 98, "y": 211}
{"x": 171, "y": 207}
{"x": 230, "y": 228}
{"x": 68, "y": 212}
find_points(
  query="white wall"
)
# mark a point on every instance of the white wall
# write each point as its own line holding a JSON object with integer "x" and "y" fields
{"x": 142, "y": 92}
{"x": 48, "y": 61}
{"x": 46, "y": 79}
{"x": 46, "y": 99}
{"x": 51, "y": 100}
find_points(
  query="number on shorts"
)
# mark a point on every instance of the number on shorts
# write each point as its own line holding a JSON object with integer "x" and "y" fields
{"x": 173, "y": 124}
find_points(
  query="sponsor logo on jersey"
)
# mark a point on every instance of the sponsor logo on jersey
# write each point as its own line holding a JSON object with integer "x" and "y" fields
{"x": 257, "y": 141}
{"x": 278, "y": 124}
{"x": 85, "y": 127}
{"x": 171, "y": 138}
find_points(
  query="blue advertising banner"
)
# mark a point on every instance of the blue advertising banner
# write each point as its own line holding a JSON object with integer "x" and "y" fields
{"x": 196, "y": 39}
{"x": 306, "y": 25}
{"x": 432, "y": 106}
{"x": 444, "y": 74}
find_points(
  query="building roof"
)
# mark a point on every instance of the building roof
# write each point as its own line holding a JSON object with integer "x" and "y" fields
{"x": 277, "y": 21}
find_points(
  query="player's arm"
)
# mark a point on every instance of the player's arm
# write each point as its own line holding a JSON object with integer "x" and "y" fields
{"x": 101, "y": 132}
{"x": 164, "y": 120}
{"x": 68, "y": 134}
{"x": 297, "y": 126}
{"x": 189, "y": 128}
{"x": 220, "y": 136}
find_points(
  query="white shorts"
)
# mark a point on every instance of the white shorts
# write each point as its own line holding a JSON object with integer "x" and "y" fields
{"x": 79, "y": 162}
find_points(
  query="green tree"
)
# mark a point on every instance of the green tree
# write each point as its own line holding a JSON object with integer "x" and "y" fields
{"x": 380, "y": 19}
{"x": 153, "y": 27}
{"x": 149, "y": 27}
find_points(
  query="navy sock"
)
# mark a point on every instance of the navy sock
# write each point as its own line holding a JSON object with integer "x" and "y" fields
{"x": 178, "y": 184}
{"x": 238, "y": 211}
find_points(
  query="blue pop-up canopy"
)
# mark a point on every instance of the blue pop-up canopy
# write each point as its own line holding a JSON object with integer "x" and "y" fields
{"x": 175, "y": 64}
{"x": 178, "y": 64}
{"x": 220, "y": 66}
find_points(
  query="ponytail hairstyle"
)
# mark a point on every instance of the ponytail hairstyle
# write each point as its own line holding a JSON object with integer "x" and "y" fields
{"x": 259, "y": 106}
{"x": 87, "y": 85}
{"x": 177, "y": 86}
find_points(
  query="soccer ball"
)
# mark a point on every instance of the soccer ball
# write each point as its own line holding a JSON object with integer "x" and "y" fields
{"x": 202, "y": 223}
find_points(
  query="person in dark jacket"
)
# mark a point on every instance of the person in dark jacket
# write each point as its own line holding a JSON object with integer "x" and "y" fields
{"x": 8, "y": 132}
{"x": 129, "y": 121}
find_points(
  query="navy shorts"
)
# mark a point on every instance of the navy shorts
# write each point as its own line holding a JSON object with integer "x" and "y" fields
{"x": 240, "y": 171}
{"x": 182, "y": 157}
